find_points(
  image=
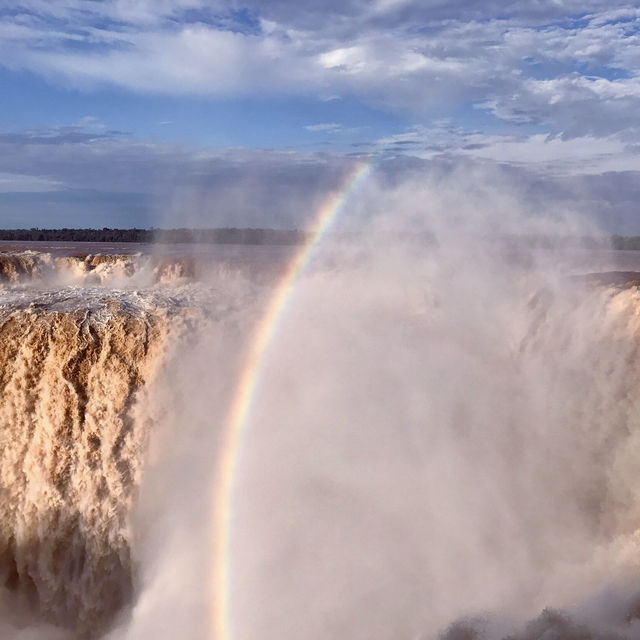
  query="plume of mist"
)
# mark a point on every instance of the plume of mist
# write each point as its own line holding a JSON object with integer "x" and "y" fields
{"x": 442, "y": 430}
{"x": 442, "y": 440}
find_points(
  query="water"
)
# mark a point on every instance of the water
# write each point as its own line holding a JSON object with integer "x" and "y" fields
{"x": 442, "y": 442}
{"x": 128, "y": 248}
{"x": 572, "y": 260}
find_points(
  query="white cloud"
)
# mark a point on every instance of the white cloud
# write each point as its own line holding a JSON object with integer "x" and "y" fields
{"x": 585, "y": 155}
{"x": 538, "y": 153}
{"x": 573, "y": 104}
{"x": 327, "y": 127}
{"x": 20, "y": 183}
{"x": 574, "y": 82}
{"x": 399, "y": 55}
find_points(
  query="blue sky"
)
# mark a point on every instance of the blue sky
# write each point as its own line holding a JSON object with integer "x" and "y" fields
{"x": 122, "y": 112}
{"x": 295, "y": 122}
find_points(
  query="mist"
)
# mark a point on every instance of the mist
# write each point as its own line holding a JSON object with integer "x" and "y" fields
{"x": 439, "y": 433}
{"x": 441, "y": 442}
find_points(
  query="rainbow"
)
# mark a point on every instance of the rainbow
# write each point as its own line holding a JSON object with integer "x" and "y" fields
{"x": 240, "y": 408}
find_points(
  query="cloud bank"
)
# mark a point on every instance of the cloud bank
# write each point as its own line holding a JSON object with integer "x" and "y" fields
{"x": 572, "y": 69}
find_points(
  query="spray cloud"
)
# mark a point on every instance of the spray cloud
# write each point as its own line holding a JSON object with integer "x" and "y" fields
{"x": 441, "y": 439}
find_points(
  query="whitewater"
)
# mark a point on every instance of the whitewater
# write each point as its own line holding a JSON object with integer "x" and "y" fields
{"x": 442, "y": 442}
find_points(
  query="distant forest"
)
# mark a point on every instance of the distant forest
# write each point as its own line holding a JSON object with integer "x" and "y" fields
{"x": 626, "y": 242}
{"x": 232, "y": 235}
{"x": 207, "y": 236}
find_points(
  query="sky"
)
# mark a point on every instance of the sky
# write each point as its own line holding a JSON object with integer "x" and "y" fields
{"x": 128, "y": 113}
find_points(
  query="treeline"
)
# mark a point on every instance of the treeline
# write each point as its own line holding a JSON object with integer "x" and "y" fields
{"x": 626, "y": 242}
{"x": 232, "y": 235}
{"x": 552, "y": 241}
{"x": 208, "y": 236}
